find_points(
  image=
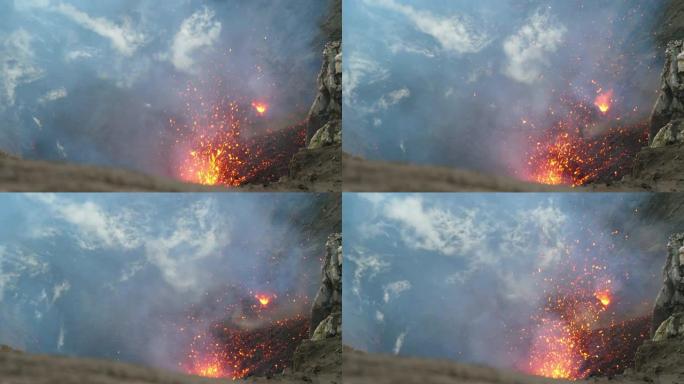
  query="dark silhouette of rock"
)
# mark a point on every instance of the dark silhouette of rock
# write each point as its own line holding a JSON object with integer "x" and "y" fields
{"x": 326, "y": 314}
{"x": 669, "y": 304}
{"x": 327, "y": 105}
{"x": 670, "y": 103}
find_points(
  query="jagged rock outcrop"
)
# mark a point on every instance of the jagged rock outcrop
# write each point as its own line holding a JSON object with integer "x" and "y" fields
{"x": 317, "y": 167}
{"x": 670, "y": 103}
{"x": 329, "y": 134}
{"x": 669, "y": 305}
{"x": 320, "y": 357}
{"x": 327, "y": 106}
{"x": 326, "y": 313}
{"x": 671, "y": 133}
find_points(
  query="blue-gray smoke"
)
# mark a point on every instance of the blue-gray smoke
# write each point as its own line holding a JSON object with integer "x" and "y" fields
{"x": 461, "y": 276}
{"x": 98, "y": 82}
{"x": 116, "y": 276}
{"x": 466, "y": 83}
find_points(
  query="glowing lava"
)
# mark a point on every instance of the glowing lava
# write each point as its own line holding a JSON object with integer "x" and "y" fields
{"x": 250, "y": 338}
{"x": 206, "y": 166}
{"x": 264, "y": 300}
{"x": 604, "y": 101}
{"x": 260, "y": 107}
{"x": 218, "y": 142}
{"x": 211, "y": 369}
{"x": 556, "y": 356}
{"x": 573, "y": 310}
{"x": 578, "y": 148}
{"x": 604, "y": 297}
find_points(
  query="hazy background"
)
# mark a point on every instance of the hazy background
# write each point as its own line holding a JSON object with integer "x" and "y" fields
{"x": 117, "y": 276}
{"x": 461, "y": 276}
{"x": 99, "y": 82}
{"x": 467, "y": 83}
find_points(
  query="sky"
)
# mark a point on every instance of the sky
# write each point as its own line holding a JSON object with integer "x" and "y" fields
{"x": 471, "y": 84}
{"x": 99, "y": 82}
{"x": 116, "y": 276}
{"x": 463, "y": 276}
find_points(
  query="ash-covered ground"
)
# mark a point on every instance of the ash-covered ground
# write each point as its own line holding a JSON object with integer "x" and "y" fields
{"x": 494, "y": 288}
{"x": 553, "y": 93}
{"x": 212, "y": 285}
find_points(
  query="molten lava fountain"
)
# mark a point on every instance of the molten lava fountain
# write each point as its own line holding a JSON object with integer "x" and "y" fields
{"x": 219, "y": 146}
{"x": 575, "y": 332}
{"x": 254, "y": 339}
{"x": 568, "y": 154}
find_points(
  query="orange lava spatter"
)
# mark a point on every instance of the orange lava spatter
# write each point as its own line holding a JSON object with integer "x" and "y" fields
{"x": 221, "y": 144}
{"x": 583, "y": 145}
{"x": 604, "y": 101}
{"x": 576, "y": 305}
{"x": 252, "y": 338}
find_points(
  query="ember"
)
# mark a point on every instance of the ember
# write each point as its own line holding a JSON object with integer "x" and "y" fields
{"x": 251, "y": 339}
{"x": 604, "y": 101}
{"x": 570, "y": 154}
{"x": 222, "y": 146}
{"x": 263, "y": 299}
{"x": 260, "y": 108}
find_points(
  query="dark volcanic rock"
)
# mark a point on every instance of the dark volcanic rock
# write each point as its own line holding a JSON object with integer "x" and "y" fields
{"x": 670, "y": 103}
{"x": 328, "y": 103}
{"x": 669, "y": 304}
{"x": 326, "y": 314}
{"x": 319, "y": 359}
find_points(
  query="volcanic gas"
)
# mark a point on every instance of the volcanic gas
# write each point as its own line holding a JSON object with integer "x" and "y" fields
{"x": 570, "y": 333}
{"x": 585, "y": 143}
{"x": 253, "y": 337}
{"x": 220, "y": 143}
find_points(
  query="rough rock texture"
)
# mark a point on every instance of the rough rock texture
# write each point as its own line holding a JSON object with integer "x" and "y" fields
{"x": 329, "y": 134}
{"x": 655, "y": 169}
{"x": 669, "y": 304}
{"x": 659, "y": 361}
{"x": 672, "y": 133}
{"x": 670, "y": 103}
{"x": 326, "y": 313}
{"x": 319, "y": 359}
{"x": 310, "y": 170}
{"x": 318, "y": 167}
{"x": 328, "y": 103}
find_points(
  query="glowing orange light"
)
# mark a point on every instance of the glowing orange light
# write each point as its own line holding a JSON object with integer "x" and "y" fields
{"x": 210, "y": 370}
{"x": 604, "y": 101}
{"x": 604, "y": 298}
{"x": 207, "y": 166}
{"x": 264, "y": 300}
{"x": 260, "y": 107}
{"x": 554, "y": 351}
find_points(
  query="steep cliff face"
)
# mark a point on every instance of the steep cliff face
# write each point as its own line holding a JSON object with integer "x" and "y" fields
{"x": 661, "y": 359}
{"x": 668, "y": 111}
{"x": 324, "y": 119}
{"x": 326, "y": 314}
{"x": 320, "y": 358}
{"x": 318, "y": 167}
{"x": 669, "y": 306}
